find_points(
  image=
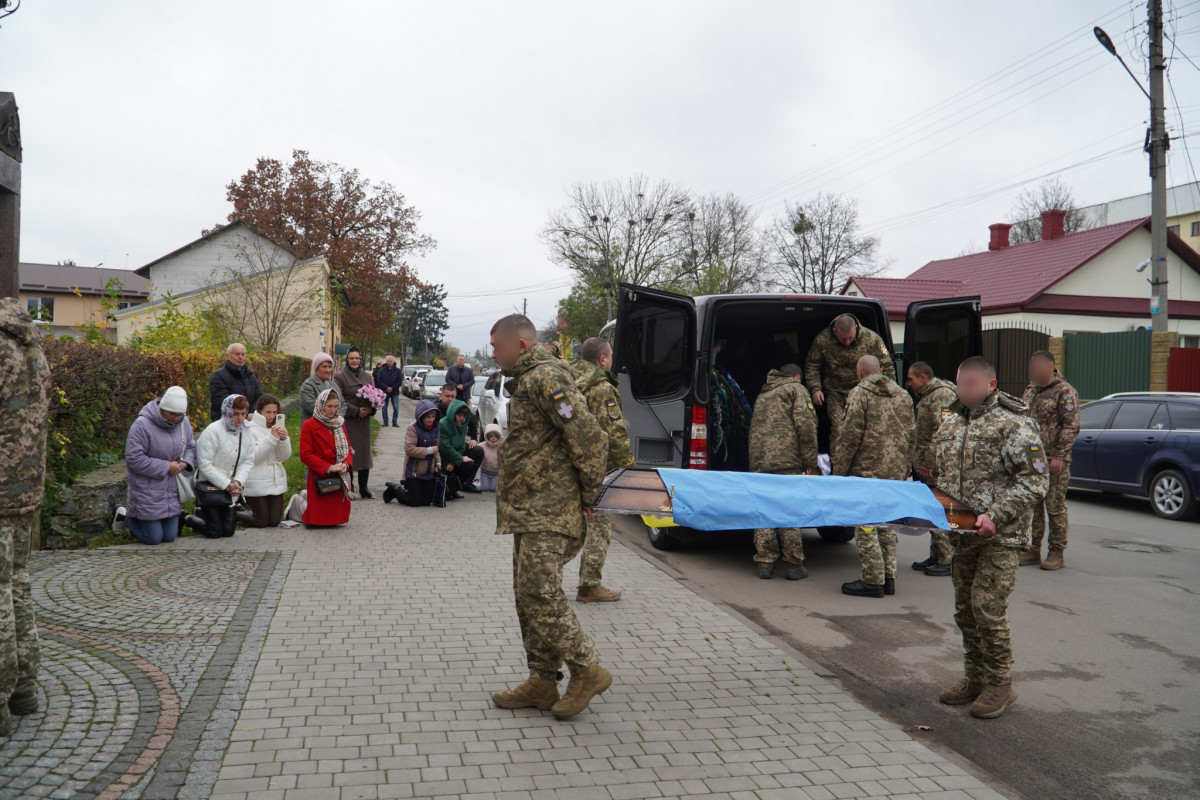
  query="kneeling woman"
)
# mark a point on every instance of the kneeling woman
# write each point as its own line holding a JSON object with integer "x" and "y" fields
{"x": 421, "y": 460}
{"x": 326, "y": 452}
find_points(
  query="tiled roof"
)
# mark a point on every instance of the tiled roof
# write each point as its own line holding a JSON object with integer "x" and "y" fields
{"x": 65, "y": 278}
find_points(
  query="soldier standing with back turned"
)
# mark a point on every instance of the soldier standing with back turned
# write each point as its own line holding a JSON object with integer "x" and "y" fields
{"x": 594, "y": 379}
{"x": 989, "y": 456}
{"x": 1054, "y": 405}
{"x": 783, "y": 441}
{"x": 24, "y": 383}
{"x": 875, "y": 442}
{"x": 935, "y": 404}
{"x": 551, "y": 467}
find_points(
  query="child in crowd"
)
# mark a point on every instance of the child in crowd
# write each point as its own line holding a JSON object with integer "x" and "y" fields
{"x": 489, "y": 471}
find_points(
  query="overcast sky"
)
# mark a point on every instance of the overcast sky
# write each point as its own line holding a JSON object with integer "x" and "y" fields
{"x": 136, "y": 114}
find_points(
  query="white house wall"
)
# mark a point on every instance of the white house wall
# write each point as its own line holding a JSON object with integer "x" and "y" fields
{"x": 193, "y": 268}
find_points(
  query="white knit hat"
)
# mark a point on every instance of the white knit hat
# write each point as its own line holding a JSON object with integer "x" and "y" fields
{"x": 174, "y": 400}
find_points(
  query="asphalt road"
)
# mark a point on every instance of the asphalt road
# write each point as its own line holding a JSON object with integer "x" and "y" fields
{"x": 1107, "y": 650}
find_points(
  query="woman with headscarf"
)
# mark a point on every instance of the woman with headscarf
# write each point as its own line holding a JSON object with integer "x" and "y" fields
{"x": 159, "y": 447}
{"x": 320, "y": 380}
{"x": 357, "y": 413}
{"x": 225, "y": 456}
{"x": 325, "y": 450}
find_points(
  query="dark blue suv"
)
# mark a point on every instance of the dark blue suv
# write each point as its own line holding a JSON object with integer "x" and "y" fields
{"x": 1141, "y": 443}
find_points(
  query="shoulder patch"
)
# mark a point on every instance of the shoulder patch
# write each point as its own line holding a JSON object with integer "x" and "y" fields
{"x": 610, "y": 402}
{"x": 883, "y": 349}
{"x": 810, "y": 406}
{"x": 947, "y": 414}
{"x": 563, "y": 407}
{"x": 1035, "y": 458}
{"x": 1069, "y": 402}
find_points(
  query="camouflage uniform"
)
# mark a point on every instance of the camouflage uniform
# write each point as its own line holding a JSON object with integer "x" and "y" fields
{"x": 599, "y": 388}
{"x": 990, "y": 458}
{"x": 783, "y": 441}
{"x": 551, "y": 466}
{"x": 935, "y": 403}
{"x": 875, "y": 442}
{"x": 833, "y": 369}
{"x": 1055, "y": 407}
{"x": 24, "y": 383}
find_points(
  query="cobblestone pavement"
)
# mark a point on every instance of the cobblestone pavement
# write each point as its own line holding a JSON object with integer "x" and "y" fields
{"x": 359, "y": 662}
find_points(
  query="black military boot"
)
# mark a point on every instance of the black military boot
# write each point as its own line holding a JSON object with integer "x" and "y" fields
{"x": 889, "y": 586}
{"x": 860, "y": 589}
{"x": 938, "y": 570}
{"x": 920, "y": 566}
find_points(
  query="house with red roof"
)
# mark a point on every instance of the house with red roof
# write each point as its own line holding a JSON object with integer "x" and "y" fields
{"x": 1080, "y": 282}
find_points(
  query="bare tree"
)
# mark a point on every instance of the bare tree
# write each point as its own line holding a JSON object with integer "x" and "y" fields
{"x": 817, "y": 246}
{"x": 264, "y": 294}
{"x": 1050, "y": 194}
{"x": 724, "y": 251}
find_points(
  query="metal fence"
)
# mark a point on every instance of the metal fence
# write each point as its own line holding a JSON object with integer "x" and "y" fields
{"x": 1097, "y": 364}
{"x": 1183, "y": 370}
{"x": 1009, "y": 349}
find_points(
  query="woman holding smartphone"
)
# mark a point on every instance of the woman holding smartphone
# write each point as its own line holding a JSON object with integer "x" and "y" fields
{"x": 267, "y": 483}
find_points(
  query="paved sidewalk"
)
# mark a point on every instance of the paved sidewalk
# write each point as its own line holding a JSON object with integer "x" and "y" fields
{"x": 358, "y": 663}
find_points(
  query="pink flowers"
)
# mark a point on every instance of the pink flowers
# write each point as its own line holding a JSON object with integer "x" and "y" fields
{"x": 376, "y": 397}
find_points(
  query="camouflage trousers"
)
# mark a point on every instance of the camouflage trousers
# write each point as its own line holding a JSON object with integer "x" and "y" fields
{"x": 1054, "y": 506}
{"x": 835, "y": 407}
{"x": 550, "y": 630}
{"x": 19, "y": 652}
{"x": 877, "y": 551}
{"x": 940, "y": 549}
{"x": 595, "y": 551}
{"x": 767, "y": 546}
{"x": 983, "y": 578}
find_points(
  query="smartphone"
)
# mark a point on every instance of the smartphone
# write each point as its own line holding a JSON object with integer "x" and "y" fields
{"x": 279, "y": 421}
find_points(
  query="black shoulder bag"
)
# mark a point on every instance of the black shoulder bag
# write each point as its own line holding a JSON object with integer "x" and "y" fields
{"x": 209, "y": 495}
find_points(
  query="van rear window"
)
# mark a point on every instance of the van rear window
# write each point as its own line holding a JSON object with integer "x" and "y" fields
{"x": 653, "y": 347}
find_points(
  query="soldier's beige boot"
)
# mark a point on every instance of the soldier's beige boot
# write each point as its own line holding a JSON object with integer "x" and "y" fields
{"x": 993, "y": 701}
{"x": 1030, "y": 557}
{"x": 961, "y": 693}
{"x": 540, "y": 693}
{"x": 597, "y": 594}
{"x": 583, "y": 686}
{"x": 1054, "y": 560}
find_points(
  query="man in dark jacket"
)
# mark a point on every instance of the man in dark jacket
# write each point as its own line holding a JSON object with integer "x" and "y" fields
{"x": 233, "y": 377}
{"x": 387, "y": 380}
{"x": 462, "y": 379}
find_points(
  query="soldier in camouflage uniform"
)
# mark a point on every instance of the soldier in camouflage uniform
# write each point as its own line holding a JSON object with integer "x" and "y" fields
{"x": 1054, "y": 405}
{"x": 935, "y": 404}
{"x": 989, "y": 456}
{"x": 551, "y": 466}
{"x": 875, "y": 442}
{"x": 24, "y": 386}
{"x": 595, "y": 382}
{"x": 831, "y": 369}
{"x": 783, "y": 441}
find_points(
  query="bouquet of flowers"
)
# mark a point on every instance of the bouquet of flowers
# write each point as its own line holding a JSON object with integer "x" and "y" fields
{"x": 376, "y": 397}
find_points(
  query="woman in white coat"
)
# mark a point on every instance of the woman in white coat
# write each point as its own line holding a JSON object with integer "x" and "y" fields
{"x": 268, "y": 482}
{"x": 225, "y": 456}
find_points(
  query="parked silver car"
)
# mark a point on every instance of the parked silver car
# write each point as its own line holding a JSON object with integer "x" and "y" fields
{"x": 493, "y": 403}
{"x": 410, "y": 387}
{"x": 432, "y": 383}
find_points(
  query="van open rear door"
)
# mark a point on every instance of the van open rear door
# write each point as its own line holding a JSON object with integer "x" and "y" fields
{"x": 942, "y": 333}
{"x": 654, "y": 354}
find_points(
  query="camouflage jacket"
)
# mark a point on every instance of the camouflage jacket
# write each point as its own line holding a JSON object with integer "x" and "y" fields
{"x": 783, "y": 430}
{"x": 599, "y": 388}
{"x": 875, "y": 440}
{"x": 935, "y": 404}
{"x": 1055, "y": 407}
{"x": 991, "y": 458}
{"x": 832, "y": 367}
{"x": 24, "y": 388}
{"x": 555, "y": 454}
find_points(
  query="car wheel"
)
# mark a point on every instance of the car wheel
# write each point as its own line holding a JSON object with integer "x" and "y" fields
{"x": 660, "y": 539}
{"x": 1171, "y": 495}
{"x": 837, "y": 534}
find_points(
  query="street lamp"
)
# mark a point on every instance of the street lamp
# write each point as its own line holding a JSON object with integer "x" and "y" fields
{"x": 1107, "y": 42}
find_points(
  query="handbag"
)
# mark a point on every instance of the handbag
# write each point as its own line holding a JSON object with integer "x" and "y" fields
{"x": 328, "y": 485}
{"x": 439, "y": 490}
{"x": 183, "y": 480}
{"x": 209, "y": 495}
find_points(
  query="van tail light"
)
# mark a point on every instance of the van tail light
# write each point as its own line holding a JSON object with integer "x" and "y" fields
{"x": 698, "y": 455}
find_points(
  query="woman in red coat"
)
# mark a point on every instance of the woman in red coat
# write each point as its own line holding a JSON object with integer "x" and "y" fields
{"x": 325, "y": 450}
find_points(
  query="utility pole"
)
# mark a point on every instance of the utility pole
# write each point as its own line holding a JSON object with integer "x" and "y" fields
{"x": 525, "y": 307}
{"x": 1157, "y": 146}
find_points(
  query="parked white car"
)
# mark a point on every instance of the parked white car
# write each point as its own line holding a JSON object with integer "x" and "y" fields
{"x": 410, "y": 386}
{"x": 493, "y": 404}
{"x": 432, "y": 383}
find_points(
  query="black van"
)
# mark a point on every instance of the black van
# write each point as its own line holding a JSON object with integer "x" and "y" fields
{"x": 690, "y": 368}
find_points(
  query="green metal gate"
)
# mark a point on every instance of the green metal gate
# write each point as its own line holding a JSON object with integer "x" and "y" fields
{"x": 1102, "y": 363}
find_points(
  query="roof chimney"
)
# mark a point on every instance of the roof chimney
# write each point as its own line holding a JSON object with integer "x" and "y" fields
{"x": 999, "y": 236}
{"x": 1053, "y": 225}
